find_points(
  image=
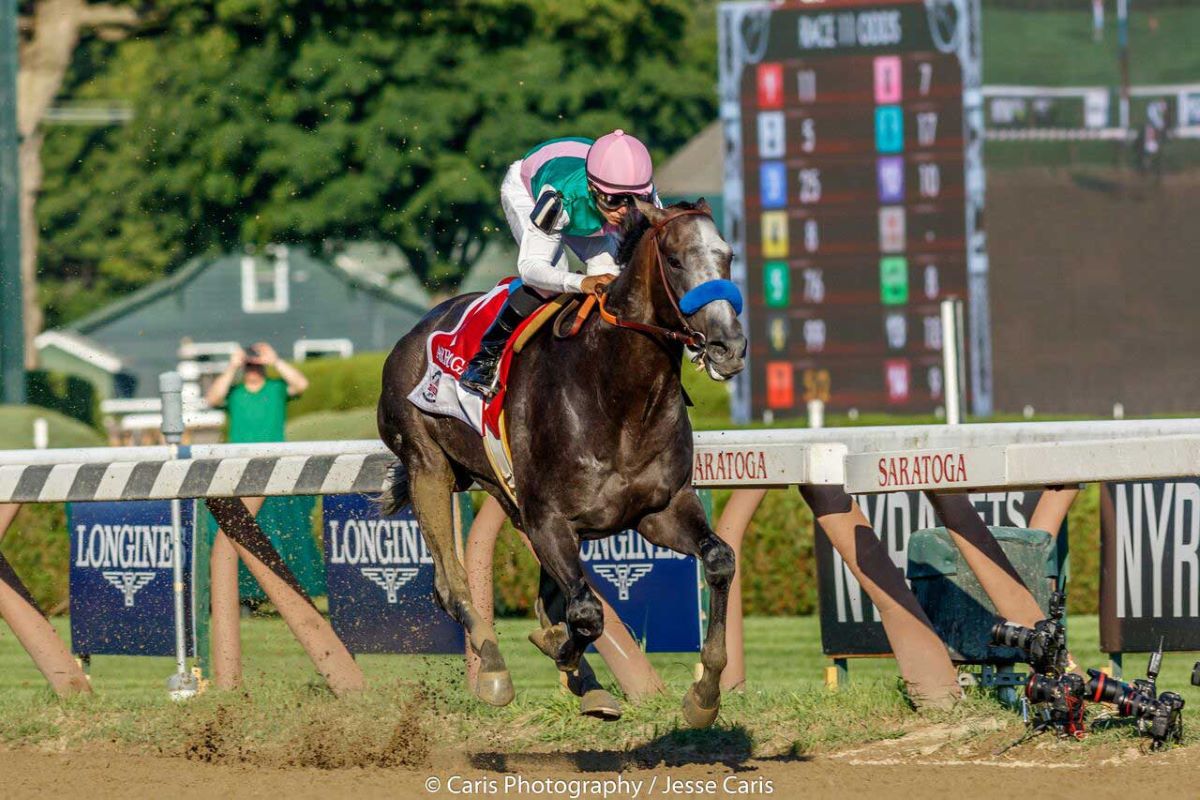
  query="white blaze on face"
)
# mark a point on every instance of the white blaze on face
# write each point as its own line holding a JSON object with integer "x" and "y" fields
{"x": 709, "y": 262}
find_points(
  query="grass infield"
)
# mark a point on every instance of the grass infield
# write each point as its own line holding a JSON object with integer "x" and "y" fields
{"x": 285, "y": 716}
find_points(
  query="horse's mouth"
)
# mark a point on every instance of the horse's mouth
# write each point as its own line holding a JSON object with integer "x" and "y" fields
{"x": 722, "y": 373}
{"x": 717, "y": 375}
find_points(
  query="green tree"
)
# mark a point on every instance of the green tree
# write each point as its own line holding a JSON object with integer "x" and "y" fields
{"x": 293, "y": 121}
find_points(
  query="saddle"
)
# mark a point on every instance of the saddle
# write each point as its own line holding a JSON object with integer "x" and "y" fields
{"x": 447, "y": 354}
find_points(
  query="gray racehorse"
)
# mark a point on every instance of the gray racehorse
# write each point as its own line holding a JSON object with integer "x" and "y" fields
{"x": 600, "y": 441}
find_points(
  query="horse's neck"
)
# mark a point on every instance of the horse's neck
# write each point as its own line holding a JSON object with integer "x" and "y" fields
{"x": 635, "y": 295}
{"x": 636, "y": 369}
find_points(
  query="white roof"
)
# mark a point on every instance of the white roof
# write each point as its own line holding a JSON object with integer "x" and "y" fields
{"x": 82, "y": 348}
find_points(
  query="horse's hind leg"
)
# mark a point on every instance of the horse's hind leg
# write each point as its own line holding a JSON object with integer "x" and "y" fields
{"x": 683, "y": 527}
{"x": 431, "y": 485}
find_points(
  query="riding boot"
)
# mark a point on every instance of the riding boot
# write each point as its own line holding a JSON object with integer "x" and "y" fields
{"x": 481, "y": 373}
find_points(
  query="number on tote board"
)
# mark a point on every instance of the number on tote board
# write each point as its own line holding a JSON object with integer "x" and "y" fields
{"x": 808, "y": 135}
{"x": 930, "y": 179}
{"x": 810, "y": 185}
{"x": 927, "y": 122}
{"x": 925, "y": 70}
{"x": 806, "y": 85}
{"x": 816, "y": 385}
{"x": 812, "y": 236}
{"x": 814, "y": 285}
{"x": 931, "y": 282}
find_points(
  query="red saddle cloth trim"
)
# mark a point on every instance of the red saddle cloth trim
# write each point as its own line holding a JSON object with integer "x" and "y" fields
{"x": 494, "y": 407}
{"x": 451, "y": 350}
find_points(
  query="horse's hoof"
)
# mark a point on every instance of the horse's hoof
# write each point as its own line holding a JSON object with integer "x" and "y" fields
{"x": 551, "y": 640}
{"x": 600, "y": 704}
{"x": 696, "y": 715}
{"x": 495, "y": 688}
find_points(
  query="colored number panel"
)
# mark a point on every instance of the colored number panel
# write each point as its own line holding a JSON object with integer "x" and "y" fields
{"x": 773, "y": 184}
{"x": 776, "y": 284}
{"x": 778, "y": 333}
{"x": 772, "y": 137}
{"x": 889, "y": 129}
{"x": 770, "y": 85}
{"x": 888, "y": 80}
{"x": 897, "y": 377}
{"x": 892, "y": 226}
{"x": 893, "y": 280}
{"x": 889, "y": 176}
{"x": 775, "y": 234}
{"x": 781, "y": 391}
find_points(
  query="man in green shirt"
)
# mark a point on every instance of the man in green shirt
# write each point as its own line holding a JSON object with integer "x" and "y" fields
{"x": 257, "y": 406}
{"x": 257, "y": 412}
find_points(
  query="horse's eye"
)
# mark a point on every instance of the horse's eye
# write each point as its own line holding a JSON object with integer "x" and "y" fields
{"x": 674, "y": 262}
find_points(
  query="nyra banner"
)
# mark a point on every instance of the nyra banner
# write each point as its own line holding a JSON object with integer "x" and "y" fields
{"x": 850, "y": 623}
{"x": 1150, "y": 566}
{"x": 379, "y": 573}
{"x": 654, "y": 590}
{"x": 122, "y": 577}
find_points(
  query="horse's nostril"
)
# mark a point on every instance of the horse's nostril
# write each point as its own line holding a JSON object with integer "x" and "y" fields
{"x": 718, "y": 350}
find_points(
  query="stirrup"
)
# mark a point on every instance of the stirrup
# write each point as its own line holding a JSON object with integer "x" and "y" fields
{"x": 485, "y": 390}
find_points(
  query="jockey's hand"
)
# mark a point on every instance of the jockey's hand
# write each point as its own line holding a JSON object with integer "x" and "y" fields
{"x": 592, "y": 283}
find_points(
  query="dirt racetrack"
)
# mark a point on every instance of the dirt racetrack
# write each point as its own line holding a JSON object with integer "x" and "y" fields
{"x": 882, "y": 770}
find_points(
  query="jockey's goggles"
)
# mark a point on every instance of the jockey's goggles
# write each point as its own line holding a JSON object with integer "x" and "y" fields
{"x": 612, "y": 202}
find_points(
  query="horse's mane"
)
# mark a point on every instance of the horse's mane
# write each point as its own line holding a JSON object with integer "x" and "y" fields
{"x": 634, "y": 228}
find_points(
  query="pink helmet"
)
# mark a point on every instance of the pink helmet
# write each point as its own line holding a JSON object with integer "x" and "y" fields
{"x": 618, "y": 163}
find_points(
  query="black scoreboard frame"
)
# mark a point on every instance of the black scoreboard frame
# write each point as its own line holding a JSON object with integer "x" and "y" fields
{"x": 846, "y": 351}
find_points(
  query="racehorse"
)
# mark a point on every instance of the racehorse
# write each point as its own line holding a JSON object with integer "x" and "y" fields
{"x": 599, "y": 436}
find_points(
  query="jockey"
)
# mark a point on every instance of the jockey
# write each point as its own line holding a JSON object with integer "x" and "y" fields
{"x": 572, "y": 192}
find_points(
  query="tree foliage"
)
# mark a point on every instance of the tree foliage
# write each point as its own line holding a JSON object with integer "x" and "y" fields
{"x": 294, "y": 121}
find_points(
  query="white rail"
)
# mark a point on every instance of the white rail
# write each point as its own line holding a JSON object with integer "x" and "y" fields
{"x": 866, "y": 459}
{"x": 1019, "y": 466}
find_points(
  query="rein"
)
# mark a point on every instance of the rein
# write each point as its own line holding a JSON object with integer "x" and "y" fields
{"x": 689, "y": 336}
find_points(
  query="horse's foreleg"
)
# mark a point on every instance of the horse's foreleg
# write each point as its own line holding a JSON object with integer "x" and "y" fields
{"x": 683, "y": 527}
{"x": 594, "y": 699}
{"x": 431, "y": 484}
{"x": 557, "y": 548}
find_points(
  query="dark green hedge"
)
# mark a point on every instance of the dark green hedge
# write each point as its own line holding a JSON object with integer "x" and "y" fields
{"x": 339, "y": 384}
{"x": 778, "y": 570}
{"x": 69, "y": 395}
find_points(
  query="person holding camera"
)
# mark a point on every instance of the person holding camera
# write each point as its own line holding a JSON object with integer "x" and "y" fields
{"x": 257, "y": 406}
{"x": 257, "y": 412}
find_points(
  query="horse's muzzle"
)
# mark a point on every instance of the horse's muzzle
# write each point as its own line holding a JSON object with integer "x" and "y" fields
{"x": 724, "y": 358}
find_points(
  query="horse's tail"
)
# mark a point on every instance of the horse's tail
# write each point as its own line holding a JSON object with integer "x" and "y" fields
{"x": 395, "y": 492}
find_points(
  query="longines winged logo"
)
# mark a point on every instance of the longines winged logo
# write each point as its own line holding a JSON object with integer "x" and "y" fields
{"x": 623, "y": 576}
{"x": 129, "y": 583}
{"x": 390, "y": 579}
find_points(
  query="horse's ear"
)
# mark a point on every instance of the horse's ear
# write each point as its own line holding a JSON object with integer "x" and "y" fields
{"x": 702, "y": 205}
{"x": 650, "y": 211}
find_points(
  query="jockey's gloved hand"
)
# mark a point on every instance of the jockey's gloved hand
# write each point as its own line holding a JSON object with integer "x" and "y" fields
{"x": 594, "y": 284}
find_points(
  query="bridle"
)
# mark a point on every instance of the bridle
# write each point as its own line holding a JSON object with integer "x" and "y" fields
{"x": 688, "y": 336}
